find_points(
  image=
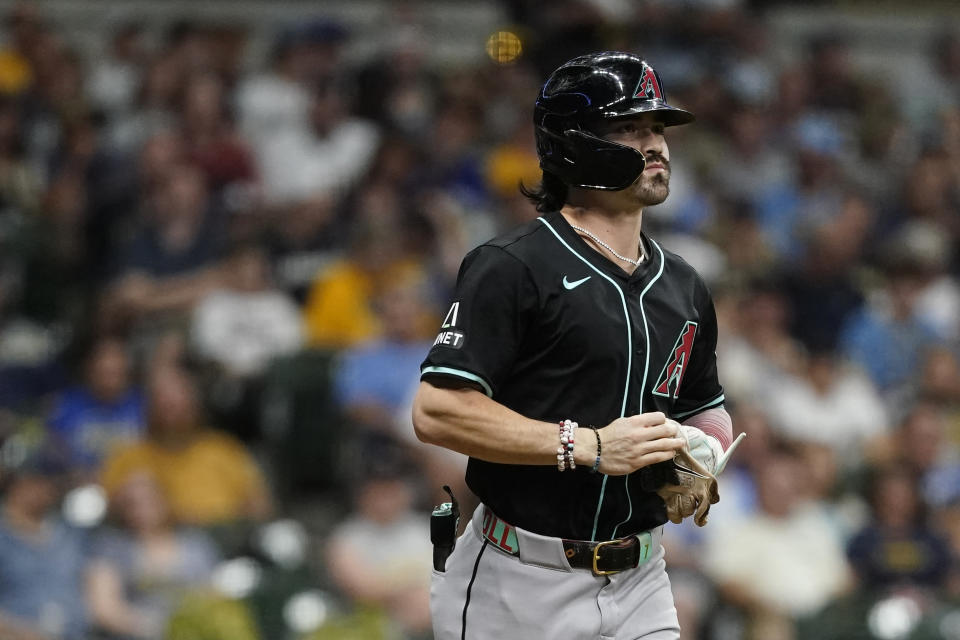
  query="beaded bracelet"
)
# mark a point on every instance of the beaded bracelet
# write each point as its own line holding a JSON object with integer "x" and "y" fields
{"x": 568, "y": 429}
{"x": 596, "y": 463}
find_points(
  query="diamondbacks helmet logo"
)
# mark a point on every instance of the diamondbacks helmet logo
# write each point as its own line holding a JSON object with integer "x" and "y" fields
{"x": 649, "y": 86}
{"x": 581, "y": 94}
{"x": 668, "y": 384}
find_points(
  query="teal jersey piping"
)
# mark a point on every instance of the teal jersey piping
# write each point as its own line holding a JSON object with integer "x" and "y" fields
{"x": 646, "y": 369}
{"x": 713, "y": 403}
{"x": 460, "y": 374}
{"x": 626, "y": 387}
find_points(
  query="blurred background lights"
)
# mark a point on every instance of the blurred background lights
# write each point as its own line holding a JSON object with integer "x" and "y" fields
{"x": 284, "y": 542}
{"x": 306, "y": 611}
{"x": 504, "y": 47}
{"x": 85, "y": 506}
{"x": 950, "y": 626}
{"x": 237, "y": 578}
{"x": 893, "y": 618}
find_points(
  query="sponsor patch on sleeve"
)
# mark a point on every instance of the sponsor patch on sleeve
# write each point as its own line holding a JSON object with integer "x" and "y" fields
{"x": 450, "y": 338}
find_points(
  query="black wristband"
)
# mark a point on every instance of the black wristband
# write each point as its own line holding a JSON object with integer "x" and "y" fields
{"x": 596, "y": 463}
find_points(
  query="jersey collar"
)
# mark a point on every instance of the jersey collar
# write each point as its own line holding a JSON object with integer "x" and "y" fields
{"x": 607, "y": 265}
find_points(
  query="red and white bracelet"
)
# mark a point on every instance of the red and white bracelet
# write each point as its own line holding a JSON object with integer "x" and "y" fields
{"x": 568, "y": 432}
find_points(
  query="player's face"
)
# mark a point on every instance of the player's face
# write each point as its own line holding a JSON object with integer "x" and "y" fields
{"x": 645, "y": 134}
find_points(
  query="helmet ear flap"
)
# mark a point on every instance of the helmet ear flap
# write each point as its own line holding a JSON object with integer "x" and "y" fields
{"x": 608, "y": 166}
{"x": 585, "y": 160}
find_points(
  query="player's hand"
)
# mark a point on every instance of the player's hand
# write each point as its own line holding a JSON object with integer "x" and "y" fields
{"x": 633, "y": 442}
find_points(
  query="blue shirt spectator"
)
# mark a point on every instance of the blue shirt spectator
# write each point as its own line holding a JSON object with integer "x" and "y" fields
{"x": 379, "y": 374}
{"x": 41, "y": 578}
{"x": 90, "y": 427}
{"x": 41, "y": 558}
{"x": 888, "y": 347}
{"x": 91, "y": 419}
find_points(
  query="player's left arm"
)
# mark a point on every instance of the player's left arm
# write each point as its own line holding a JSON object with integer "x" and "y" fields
{"x": 699, "y": 406}
{"x": 709, "y": 434}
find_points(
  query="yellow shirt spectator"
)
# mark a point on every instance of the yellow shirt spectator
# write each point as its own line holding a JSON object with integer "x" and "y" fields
{"x": 340, "y": 306}
{"x": 208, "y": 481}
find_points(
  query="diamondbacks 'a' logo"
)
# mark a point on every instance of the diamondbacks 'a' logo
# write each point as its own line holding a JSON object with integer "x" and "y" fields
{"x": 649, "y": 86}
{"x": 668, "y": 384}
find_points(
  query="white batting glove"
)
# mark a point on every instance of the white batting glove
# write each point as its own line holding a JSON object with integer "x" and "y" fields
{"x": 705, "y": 448}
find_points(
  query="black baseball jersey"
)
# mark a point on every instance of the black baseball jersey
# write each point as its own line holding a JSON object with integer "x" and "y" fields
{"x": 548, "y": 327}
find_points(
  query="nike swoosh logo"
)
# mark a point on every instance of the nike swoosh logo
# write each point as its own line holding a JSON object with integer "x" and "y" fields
{"x": 576, "y": 283}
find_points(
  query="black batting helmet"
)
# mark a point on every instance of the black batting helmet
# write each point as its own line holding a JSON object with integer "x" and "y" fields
{"x": 583, "y": 92}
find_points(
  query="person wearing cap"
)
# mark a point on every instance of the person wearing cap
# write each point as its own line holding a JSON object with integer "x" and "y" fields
{"x": 41, "y": 557}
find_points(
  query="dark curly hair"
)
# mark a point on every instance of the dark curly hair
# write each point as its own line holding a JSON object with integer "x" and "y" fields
{"x": 549, "y": 195}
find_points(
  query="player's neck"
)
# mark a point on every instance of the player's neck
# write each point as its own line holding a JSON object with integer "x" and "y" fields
{"x": 619, "y": 229}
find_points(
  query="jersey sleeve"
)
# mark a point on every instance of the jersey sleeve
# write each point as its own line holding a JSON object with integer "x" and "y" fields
{"x": 701, "y": 388}
{"x": 482, "y": 331}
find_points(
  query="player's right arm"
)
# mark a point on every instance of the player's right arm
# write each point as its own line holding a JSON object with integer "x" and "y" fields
{"x": 496, "y": 305}
{"x": 466, "y": 420}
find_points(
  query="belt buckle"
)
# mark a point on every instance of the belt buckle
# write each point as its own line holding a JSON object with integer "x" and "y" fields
{"x": 596, "y": 556}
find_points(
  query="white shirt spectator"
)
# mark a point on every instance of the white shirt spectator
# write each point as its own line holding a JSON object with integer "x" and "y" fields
{"x": 296, "y": 165}
{"x": 243, "y": 331}
{"x": 270, "y": 104}
{"x": 843, "y": 416}
{"x": 794, "y": 564}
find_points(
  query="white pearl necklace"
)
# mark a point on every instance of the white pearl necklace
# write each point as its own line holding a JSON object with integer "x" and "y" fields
{"x": 603, "y": 244}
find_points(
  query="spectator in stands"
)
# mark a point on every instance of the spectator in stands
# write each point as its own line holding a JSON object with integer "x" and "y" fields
{"x": 141, "y": 569}
{"x": 23, "y": 27}
{"x": 938, "y": 297}
{"x": 212, "y": 143}
{"x": 760, "y": 162}
{"x": 762, "y": 562}
{"x": 238, "y": 330}
{"x": 940, "y": 385}
{"x": 244, "y": 325}
{"x": 837, "y": 84}
{"x": 276, "y": 102}
{"x": 898, "y": 549}
{"x": 102, "y": 413}
{"x": 208, "y": 477}
{"x": 830, "y": 404}
{"x": 41, "y": 558}
{"x": 823, "y": 292}
{"x": 396, "y": 88}
{"x": 757, "y": 349}
{"x": 181, "y": 236}
{"x": 338, "y": 311}
{"x": 113, "y": 81}
{"x": 788, "y": 209}
{"x": 932, "y": 88}
{"x": 923, "y": 445}
{"x": 930, "y": 187}
{"x": 155, "y": 107}
{"x": 20, "y": 182}
{"x": 380, "y": 555}
{"x": 172, "y": 261}
{"x": 306, "y": 140}
{"x": 373, "y": 382}
{"x": 887, "y": 338}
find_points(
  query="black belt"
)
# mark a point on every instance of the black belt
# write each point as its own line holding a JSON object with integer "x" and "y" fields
{"x": 611, "y": 556}
{"x": 602, "y": 558}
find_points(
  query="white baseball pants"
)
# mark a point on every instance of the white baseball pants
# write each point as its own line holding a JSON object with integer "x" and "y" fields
{"x": 488, "y": 594}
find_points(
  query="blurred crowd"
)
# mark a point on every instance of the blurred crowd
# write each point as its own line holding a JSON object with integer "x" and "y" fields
{"x": 218, "y": 279}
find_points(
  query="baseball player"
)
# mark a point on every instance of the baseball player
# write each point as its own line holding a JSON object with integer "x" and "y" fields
{"x": 576, "y": 367}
